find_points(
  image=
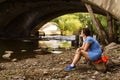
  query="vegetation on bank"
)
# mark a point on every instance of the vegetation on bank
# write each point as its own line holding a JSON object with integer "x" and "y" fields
{"x": 71, "y": 24}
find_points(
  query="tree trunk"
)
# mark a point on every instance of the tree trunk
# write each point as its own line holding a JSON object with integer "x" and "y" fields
{"x": 100, "y": 30}
{"x": 110, "y": 27}
{"x": 103, "y": 32}
{"x": 115, "y": 32}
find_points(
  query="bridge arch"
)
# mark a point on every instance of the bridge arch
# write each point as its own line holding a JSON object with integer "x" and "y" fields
{"x": 20, "y": 18}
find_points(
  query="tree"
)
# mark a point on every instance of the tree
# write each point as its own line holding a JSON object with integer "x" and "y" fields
{"x": 105, "y": 27}
{"x": 98, "y": 25}
{"x": 69, "y": 23}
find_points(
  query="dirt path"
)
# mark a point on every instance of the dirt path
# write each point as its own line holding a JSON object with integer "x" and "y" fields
{"x": 46, "y": 66}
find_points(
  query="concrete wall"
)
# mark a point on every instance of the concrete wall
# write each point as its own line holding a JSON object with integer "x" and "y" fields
{"x": 112, "y": 6}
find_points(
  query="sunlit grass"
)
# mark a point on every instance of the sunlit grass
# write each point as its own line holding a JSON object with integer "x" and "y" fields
{"x": 66, "y": 44}
{"x": 55, "y": 44}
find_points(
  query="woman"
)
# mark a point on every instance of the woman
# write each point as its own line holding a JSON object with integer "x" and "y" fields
{"x": 90, "y": 49}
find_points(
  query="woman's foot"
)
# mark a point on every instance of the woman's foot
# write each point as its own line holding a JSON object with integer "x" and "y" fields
{"x": 69, "y": 68}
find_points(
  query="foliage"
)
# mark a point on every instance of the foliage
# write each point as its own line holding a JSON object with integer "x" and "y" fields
{"x": 66, "y": 44}
{"x": 103, "y": 20}
{"x": 68, "y": 23}
{"x": 72, "y": 23}
{"x": 85, "y": 19}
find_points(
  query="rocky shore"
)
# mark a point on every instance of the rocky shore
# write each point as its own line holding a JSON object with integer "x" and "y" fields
{"x": 47, "y": 66}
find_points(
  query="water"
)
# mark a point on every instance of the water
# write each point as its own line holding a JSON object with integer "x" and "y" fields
{"x": 18, "y": 45}
{"x": 25, "y": 48}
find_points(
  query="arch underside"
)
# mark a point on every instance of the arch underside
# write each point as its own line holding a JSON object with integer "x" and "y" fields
{"x": 18, "y": 18}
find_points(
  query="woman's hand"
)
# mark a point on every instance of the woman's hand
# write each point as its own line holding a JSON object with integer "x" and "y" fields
{"x": 79, "y": 49}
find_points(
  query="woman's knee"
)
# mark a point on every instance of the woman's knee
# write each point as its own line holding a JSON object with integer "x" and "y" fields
{"x": 85, "y": 54}
{"x": 78, "y": 52}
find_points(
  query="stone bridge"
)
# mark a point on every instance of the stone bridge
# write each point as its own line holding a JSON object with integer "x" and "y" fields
{"x": 19, "y": 18}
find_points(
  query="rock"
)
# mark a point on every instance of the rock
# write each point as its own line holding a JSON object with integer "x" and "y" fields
{"x": 107, "y": 77}
{"x": 93, "y": 77}
{"x": 19, "y": 77}
{"x": 102, "y": 75}
{"x": 96, "y": 73}
{"x": 37, "y": 50}
{"x": 62, "y": 63}
{"x": 54, "y": 79}
{"x": 14, "y": 60}
{"x": 100, "y": 66}
{"x": 45, "y": 72}
{"x": 7, "y": 55}
{"x": 7, "y": 52}
{"x": 88, "y": 72}
{"x": 119, "y": 58}
{"x": 109, "y": 73}
{"x": 82, "y": 76}
{"x": 51, "y": 67}
{"x": 23, "y": 50}
{"x": 67, "y": 77}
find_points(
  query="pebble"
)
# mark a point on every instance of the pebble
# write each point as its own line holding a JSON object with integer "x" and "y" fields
{"x": 119, "y": 58}
{"x": 23, "y": 50}
{"x": 45, "y": 73}
{"x": 54, "y": 79}
{"x": 96, "y": 73}
{"x": 7, "y": 55}
{"x": 82, "y": 76}
{"x": 93, "y": 77}
{"x": 108, "y": 73}
{"x": 88, "y": 72}
{"x": 14, "y": 60}
{"x": 102, "y": 75}
{"x": 67, "y": 77}
{"x": 107, "y": 76}
{"x": 33, "y": 68}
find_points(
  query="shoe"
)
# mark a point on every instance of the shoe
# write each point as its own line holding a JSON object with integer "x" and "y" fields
{"x": 69, "y": 68}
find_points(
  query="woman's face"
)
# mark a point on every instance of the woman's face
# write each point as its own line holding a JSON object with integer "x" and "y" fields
{"x": 82, "y": 34}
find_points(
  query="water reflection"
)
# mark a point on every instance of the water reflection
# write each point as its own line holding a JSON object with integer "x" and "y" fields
{"x": 26, "y": 48}
{"x": 56, "y": 41}
{"x": 18, "y": 45}
{"x": 19, "y": 48}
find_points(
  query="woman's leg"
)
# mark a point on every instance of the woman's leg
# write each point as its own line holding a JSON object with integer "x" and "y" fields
{"x": 78, "y": 55}
{"x": 85, "y": 54}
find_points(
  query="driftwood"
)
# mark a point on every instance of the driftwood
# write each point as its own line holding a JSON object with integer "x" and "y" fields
{"x": 110, "y": 50}
{"x": 111, "y": 46}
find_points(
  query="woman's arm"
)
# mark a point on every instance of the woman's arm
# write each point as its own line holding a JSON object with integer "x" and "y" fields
{"x": 86, "y": 46}
{"x": 82, "y": 47}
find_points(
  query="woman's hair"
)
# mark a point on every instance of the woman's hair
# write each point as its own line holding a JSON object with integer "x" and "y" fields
{"x": 86, "y": 31}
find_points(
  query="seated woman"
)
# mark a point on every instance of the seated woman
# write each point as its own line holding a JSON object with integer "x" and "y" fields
{"x": 90, "y": 49}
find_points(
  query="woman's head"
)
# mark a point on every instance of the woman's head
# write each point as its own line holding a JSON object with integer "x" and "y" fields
{"x": 85, "y": 32}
